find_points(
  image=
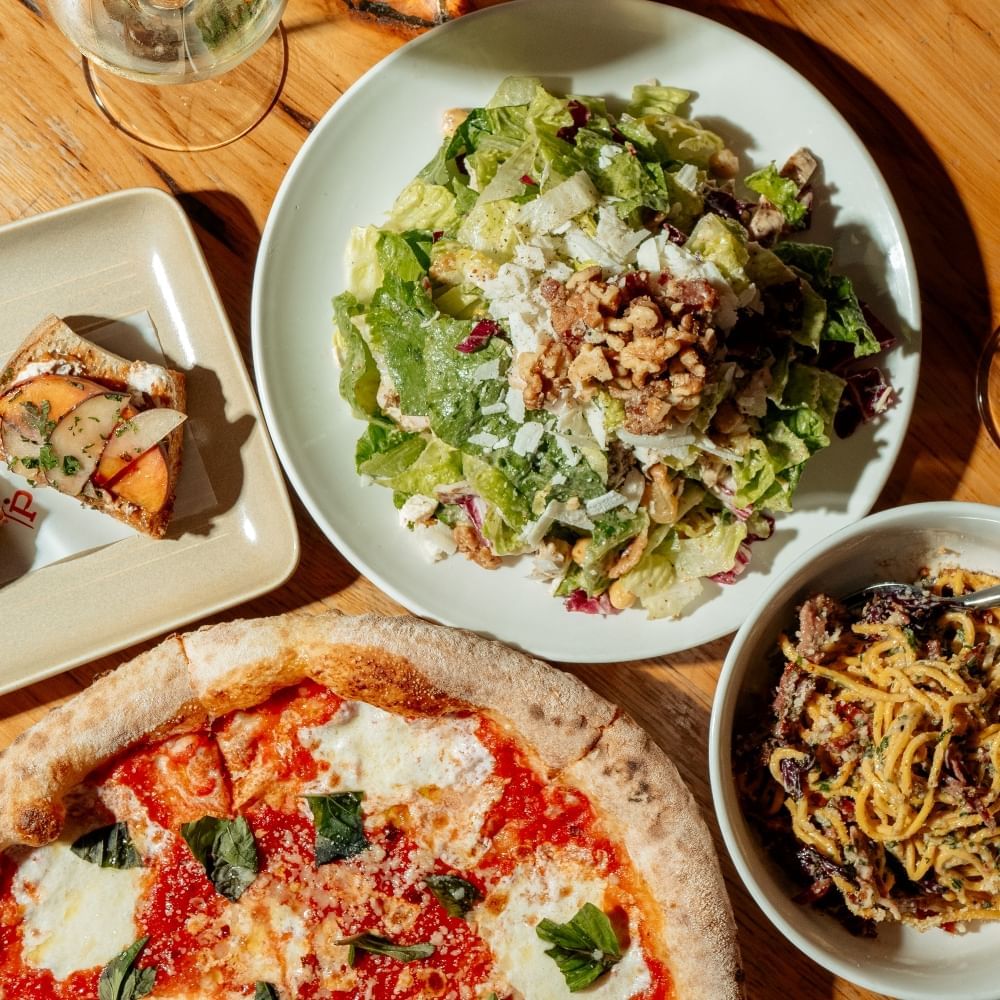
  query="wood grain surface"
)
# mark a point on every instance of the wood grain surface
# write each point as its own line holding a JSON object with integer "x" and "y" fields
{"x": 919, "y": 83}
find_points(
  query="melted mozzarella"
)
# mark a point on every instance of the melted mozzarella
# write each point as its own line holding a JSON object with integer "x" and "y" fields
{"x": 390, "y": 758}
{"x": 77, "y": 915}
{"x": 556, "y": 888}
{"x": 437, "y": 768}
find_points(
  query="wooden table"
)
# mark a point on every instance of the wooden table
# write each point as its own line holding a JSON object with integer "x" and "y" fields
{"x": 917, "y": 81}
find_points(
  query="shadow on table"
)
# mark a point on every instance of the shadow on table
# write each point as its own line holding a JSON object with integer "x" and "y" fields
{"x": 954, "y": 293}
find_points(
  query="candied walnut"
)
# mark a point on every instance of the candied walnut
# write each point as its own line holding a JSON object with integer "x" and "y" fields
{"x": 695, "y": 292}
{"x": 646, "y": 356}
{"x": 643, "y": 314}
{"x": 470, "y": 543}
{"x": 544, "y": 373}
{"x": 588, "y": 366}
{"x": 646, "y": 409}
{"x": 691, "y": 360}
{"x": 553, "y": 290}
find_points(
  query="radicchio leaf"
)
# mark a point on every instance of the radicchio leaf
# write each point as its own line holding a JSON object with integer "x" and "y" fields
{"x": 479, "y": 336}
{"x": 580, "y": 601}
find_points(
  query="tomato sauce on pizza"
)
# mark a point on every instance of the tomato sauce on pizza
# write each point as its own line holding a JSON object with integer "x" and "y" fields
{"x": 320, "y": 848}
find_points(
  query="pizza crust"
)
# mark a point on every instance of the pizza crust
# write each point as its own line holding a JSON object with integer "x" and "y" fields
{"x": 643, "y": 798}
{"x": 400, "y": 663}
{"x": 148, "y": 696}
{"x": 409, "y": 665}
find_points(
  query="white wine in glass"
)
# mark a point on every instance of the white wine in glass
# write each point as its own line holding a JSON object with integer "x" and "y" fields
{"x": 179, "y": 74}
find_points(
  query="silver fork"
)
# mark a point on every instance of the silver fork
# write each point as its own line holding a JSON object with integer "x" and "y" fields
{"x": 978, "y": 600}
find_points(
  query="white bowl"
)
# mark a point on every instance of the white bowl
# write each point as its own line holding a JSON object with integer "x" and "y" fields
{"x": 892, "y": 545}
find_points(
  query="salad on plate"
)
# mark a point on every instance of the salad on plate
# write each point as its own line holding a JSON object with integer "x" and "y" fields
{"x": 574, "y": 339}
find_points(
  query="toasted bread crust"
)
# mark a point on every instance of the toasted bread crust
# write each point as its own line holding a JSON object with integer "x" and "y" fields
{"x": 53, "y": 346}
{"x": 407, "y": 665}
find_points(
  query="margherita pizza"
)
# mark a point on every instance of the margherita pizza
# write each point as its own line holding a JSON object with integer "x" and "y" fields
{"x": 328, "y": 807}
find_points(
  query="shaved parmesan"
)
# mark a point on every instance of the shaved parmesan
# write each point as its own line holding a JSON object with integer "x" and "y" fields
{"x": 617, "y": 237}
{"x": 417, "y": 508}
{"x": 633, "y": 488}
{"x": 604, "y": 503}
{"x": 595, "y": 421}
{"x": 515, "y": 405}
{"x": 484, "y": 439}
{"x": 528, "y": 438}
{"x": 498, "y": 407}
{"x": 571, "y": 456}
{"x": 436, "y": 540}
{"x": 486, "y": 371}
{"x": 531, "y": 257}
{"x": 503, "y": 442}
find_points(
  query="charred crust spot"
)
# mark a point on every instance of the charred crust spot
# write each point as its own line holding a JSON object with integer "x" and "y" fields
{"x": 536, "y": 711}
{"x": 37, "y": 824}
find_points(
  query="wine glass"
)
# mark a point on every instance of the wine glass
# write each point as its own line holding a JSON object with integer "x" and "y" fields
{"x": 988, "y": 386}
{"x": 179, "y": 74}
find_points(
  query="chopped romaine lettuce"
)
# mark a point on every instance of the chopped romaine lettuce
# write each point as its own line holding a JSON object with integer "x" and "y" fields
{"x": 782, "y": 192}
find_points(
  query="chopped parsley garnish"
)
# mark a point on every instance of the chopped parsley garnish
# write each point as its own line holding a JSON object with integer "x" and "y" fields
{"x": 584, "y": 949}
{"x": 71, "y": 465}
{"x": 383, "y": 946}
{"x": 47, "y": 458}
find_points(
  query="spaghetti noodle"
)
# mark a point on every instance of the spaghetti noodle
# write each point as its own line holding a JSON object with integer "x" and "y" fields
{"x": 884, "y": 755}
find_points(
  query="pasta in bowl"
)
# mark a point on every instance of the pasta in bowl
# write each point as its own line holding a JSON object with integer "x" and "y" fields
{"x": 881, "y": 758}
{"x": 876, "y": 738}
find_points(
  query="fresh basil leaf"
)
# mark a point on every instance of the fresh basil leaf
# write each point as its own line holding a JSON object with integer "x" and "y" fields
{"x": 340, "y": 832}
{"x": 108, "y": 846}
{"x": 585, "y": 948}
{"x": 120, "y": 980}
{"x": 227, "y": 849}
{"x": 383, "y": 946}
{"x": 265, "y": 991}
{"x": 455, "y": 894}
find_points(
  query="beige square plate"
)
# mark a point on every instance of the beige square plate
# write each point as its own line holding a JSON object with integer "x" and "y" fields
{"x": 112, "y": 257}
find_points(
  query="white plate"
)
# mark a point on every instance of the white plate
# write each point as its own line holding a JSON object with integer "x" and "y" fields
{"x": 382, "y": 131}
{"x": 109, "y": 258}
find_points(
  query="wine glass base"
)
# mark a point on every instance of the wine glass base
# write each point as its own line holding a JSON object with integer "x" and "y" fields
{"x": 190, "y": 117}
